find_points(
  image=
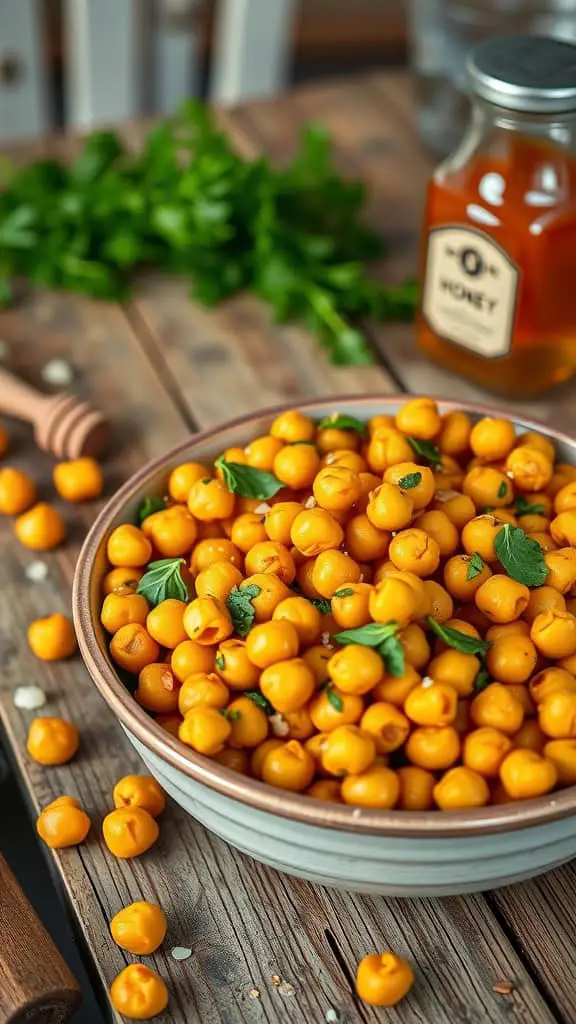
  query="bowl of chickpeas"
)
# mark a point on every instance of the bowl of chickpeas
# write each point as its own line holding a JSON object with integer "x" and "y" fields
{"x": 343, "y": 637}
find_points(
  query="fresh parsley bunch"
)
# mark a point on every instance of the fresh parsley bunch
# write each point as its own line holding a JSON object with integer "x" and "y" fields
{"x": 189, "y": 204}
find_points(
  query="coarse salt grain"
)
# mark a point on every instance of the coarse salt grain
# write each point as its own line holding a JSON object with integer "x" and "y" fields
{"x": 28, "y": 698}
{"x": 263, "y": 508}
{"x": 180, "y": 953}
{"x": 310, "y": 502}
{"x": 279, "y": 725}
{"x": 36, "y": 571}
{"x": 57, "y": 371}
{"x": 330, "y": 459}
{"x": 427, "y": 681}
{"x": 357, "y": 812}
{"x": 332, "y": 1016}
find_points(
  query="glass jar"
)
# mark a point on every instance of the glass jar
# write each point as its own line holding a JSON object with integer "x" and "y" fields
{"x": 499, "y": 243}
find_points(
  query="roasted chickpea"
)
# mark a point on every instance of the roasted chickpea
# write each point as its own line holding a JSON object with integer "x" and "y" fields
{"x": 562, "y": 476}
{"x": 502, "y": 599}
{"x": 52, "y": 638}
{"x": 234, "y": 666}
{"x": 460, "y": 789}
{"x": 433, "y": 747}
{"x": 278, "y": 521}
{"x": 17, "y": 491}
{"x": 543, "y": 599}
{"x": 132, "y": 648}
{"x": 557, "y": 715}
{"x": 190, "y": 657}
{"x": 461, "y": 578}
{"x": 534, "y": 523}
{"x": 550, "y": 680}
{"x": 315, "y": 530}
{"x": 415, "y": 551}
{"x": 138, "y": 993}
{"x": 348, "y": 750}
{"x": 157, "y": 688}
{"x": 356, "y": 669}
{"x": 417, "y": 481}
{"x": 377, "y": 788}
{"x": 165, "y": 623}
{"x": 350, "y": 605}
{"x": 448, "y": 475}
{"x": 210, "y": 499}
{"x": 121, "y": 581}
{"x": 387, "y": 725}
{"x": 554, "y": 634}
{"x": 123, "y": 609}
{"x": 52, "y": 740}
{"x": 498, "y": 708}
{"x": 140, "y": 791}
{"x": 390, "y": 508}
{"x": 332, "y": 571}
{"x": 416, "y": 787}
{"x": 364, "y": 541}
{"x": 433, "y": 704}
{"x": 129, "y": 831}
{"x": 387, "y": 447}
{"x": 415, "y": 644}
{"x": 300, "y": 725}
{"x": 395, "y": 689}
{"x": 419, "y": 417}
{"x": 262, "y": 451}
{"x": 529, "y": 468}
{"x": 349, "y": 459}
{"x": 205, "y": 729}
{"x": 288, "y": 685}
{"x": 78, "y": 480}
{"x": 172, "y": 531}
{"x": 530, "y": 736}
{"x": 202, "y": 688}
{"x": 297, "y": 465}
{"x": 336, "y": 488}
{"x": 206, "y": 622}
{"x": 292, "y": 426}
{"x": 491, "y": 440}
{"x": 563, "y": 528}
{"x": 259, "y": 754}
{"x": 484, "y": 750}
{"x": 456, "y": 670}
{"x": 438, "y": 526}
{"x": 512, "y": 659}
{"x": 270, "y": 557}
{"x": 270, "y": 642}
{"x": 42, "y": 528}
{"x": 182, "y": 479}
{"x": 499, "y": 630}
{"x": 248, "y": 530}
{"x": 326, "y": 789}
{"x": 525, "y": 774}
{"x": 459, "y": 508}
{"x": 454, "y": 436}
{"x": 217, "y": 581}
{"x": 213, "y": 550}
{"x": 561, "y": 569}
{"x": 335, "y": 439}
{"x": 562, "y": 754}
{"x": 399, "y": 598}
{"x": 303, "y": 615}
{"x": 289, "y": 766}
{"x": 544, "y": 540}
{"x": 139, "y": 928}
{"x": 271, "y": 592}
{"x": 317, "y": 658}
{"x": 331, "y": 708}
{"x": 487, "y": 485}
{"x": 438, "y": 602}
{"x": 249, "y": 723}
{"x": 63, "y": 823}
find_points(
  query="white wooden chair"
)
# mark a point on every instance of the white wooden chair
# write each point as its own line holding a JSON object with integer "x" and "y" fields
{"x": 124, "y": 58}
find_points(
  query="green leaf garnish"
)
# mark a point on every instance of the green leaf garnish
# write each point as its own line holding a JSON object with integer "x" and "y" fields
{"x": 482, "y": 679}
{"x": 241, "y": 609}
{"x": 393, "y": 656}
{"x": 323, "y": 606}
{"x": 220, "y": 662}
{"x": 247, "y": 481}
{"x": 475, "y": 566}
{"x": 148, "y": 506}
{"x": 426, "y": 450}
{"x": 371, "y": 635}
{"x": 344, "y": 422}
{"x": 260, "y": 700}
{"x": 502, "y": 490}
{"x": 163, "y": 580}
{"x": 459, "y": 641}
{"x": 294, "y": 443}
{"x": 232, "y": 716}
{"x": 521, "y": 556}
{"x": 334, "y": 698}
{"x": 344, "y": 592}
{"x": 523, "y": 507}
{"x": 409, "y": 481}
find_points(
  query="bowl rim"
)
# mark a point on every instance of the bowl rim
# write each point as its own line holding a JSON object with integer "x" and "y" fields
{"x": 298, "y": 807}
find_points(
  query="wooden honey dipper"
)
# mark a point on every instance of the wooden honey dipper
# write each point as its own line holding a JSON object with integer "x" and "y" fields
{"x": 63, "y": 425}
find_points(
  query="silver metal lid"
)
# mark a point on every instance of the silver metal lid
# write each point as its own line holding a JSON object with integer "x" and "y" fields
{"x": 528, "y": 73}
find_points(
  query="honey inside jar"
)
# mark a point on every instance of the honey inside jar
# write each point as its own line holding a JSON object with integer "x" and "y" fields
{"x": 499, "y": 301}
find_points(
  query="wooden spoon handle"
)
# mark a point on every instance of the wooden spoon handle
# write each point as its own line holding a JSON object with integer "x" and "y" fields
{"x": 36, "y": 986}
{"x": 19, "y": 399}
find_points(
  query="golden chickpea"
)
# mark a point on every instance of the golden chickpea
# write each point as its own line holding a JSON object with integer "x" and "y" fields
{"x": 157, "y": 688}
{"x": 315, "y": 530}
{"x": 305, "y": 618}
{"x": 262, "y": 451}
{"x": 387, "y": 724}
{"x": 530, "y": 736}
{"x": 399, "y": 598}
{"x": 389, "y": 508}
{"x": 351, "y": 460}
{"x": 484, "y": 750}
{"x": 123, "y": 609}
{"x": 210, "y": 499}
{"x": 419, "y": 417}
{"x": 455, "y": 669}
{"x": 259, "y": 753}
{"x": 461, "y": 578}
{"x": 217, "y": 581}
{"x": 315, "y": 746}
{"x": 487, "y": 485}
{"x": 206, "y": 622}
{"x": 455, "y": 430}
{"x": 557, "y": 715}
{"x": 172, "y": 531}
{"x": 356, "y": 669}
{"x": 377, "y": 788}
{"x": 550, "y": 680}
{"x": 534, "y": 439}
{"x": 332, "y": 571}
{"x": 288, "y": 685}
{"x": 499, "y": 630}
{"x": 300, "y": 725}
{"x": 543, "y": 599}
{"x": 278, "y": 521}
{"x": 331, "y": 708}
{"x": 415, "y": 551}
{"x": 202, "y": 688}
{"x": 438, "y": 526}
{"x": 497, "y": 708}
{"x": 52, "y": 741}
{"x": 121, "y": 581}
{"x": 554, "y": 634}
{"x": 565, "y": 498}
{"x": 333, "y": 439}
{"x": 52, "y": 638}
{"x": 132, "y": 648}
{"x": 165, "y": 623}
{"x": 364, "y": 541}
{"x": 512, "y": 659}
{"x": 387, "y": 447}
{"x": 525, "y": 774}
{"x": 326, "y": 789}
{"x": 205, "y": 729}
{"x": 63, "y": 823}
{"x": 212, "y": 550}
{"x": 269, "y": 557}
{"x": 297, "y": 466}
{"x": 403, "y": 475}
{"x": 189, "y": 657}
{"x": 395, "y": 689}
{"x": 562, "y": 754}
{"x": 415, "y": 644}
{"x": 438, "y": 602}
{"x": 502, "y": 599}
{"x": 17, "y": 491}
{"x": 317, "y": 658}
{"x": 348, "y": 750}
{"x": 350, "y": 605}
{"x": 304, "y": 578}
{"x": 435, "y": 748}
{"x": 545, "y": 541}
{"x": 140, "y": 791}
{"x": 272, "y": 592}
{"x": 529, "y": 468}
{"x": 563, "y": 528}
{"x": 460, "y": 789}
{"x": 416, "y": 788}
{"x": 534, "y": 524}
{"x": 42, "y": 528}
{"x": 336, "y": 488}
{"x": 491, "y": 440}
{"x": 289, "y": 767}
{"x": 375, "y": 422}
{"x": 433, "y": 704}
{"x": 292, "y": 426}
{"x": 561, "y": 569}
{"x": 459, "y": 508}
{"x": 270, "y": 642}
{"x": 182, "y": 479}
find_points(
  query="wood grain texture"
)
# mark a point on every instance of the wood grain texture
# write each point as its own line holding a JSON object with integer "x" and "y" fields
{"x": 156, "y": 368}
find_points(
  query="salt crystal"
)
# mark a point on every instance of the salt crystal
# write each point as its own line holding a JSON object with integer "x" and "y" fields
{"x": 427, "y": 681}
{"x": 180, "y": 953}
{"x": 28, "y": 698}
{"x": 357, "y": 812}
{"x": 279, "y": 725}
{"x": 286, "y": 988}
{"x": 310, "y": 502}
{"x": 254, "y": 993}
{"x": 446, "y": 495}
{"x": 3, "y": 348}
{"x": 36, "y": 571}
{"x": 332, "y": 1016}
{"x": 262, "y": 509}
{"x": 330, "y": 458}
{"x": 57, "y": 371}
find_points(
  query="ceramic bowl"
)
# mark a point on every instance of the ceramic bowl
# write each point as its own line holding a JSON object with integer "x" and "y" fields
{"x": 391, "y": 852}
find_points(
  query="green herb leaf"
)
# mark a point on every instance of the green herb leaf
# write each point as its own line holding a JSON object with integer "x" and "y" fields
{"x": 482, "y": 679}
{"x": 323, "y": 606}
{"x": 220, "y": 662}
{"x": 294, "y": 443}
{"x": 523, "y": 507}
{"x": 163, "y": 580}
{"x": 371, "y": 635}
{"x": 241, "y": 609}
{"x": 334, "y": 698}
{"x": 426, "y": 450}
{"x": 393, "y": 656}
{"x": 260, "y": 700}
{"x": 344, "y": 422}
{"x": 247, "y": 481}
{"x": 148, "y": 506}
{"x": 459, "y": 641}
{"x": 521, "y": 556}
{"x": 409, "y": 481}
{"x": 344, "y": 592}
{"x": 502, "y": 490}
{"x": 232, "y": 716}
{"x": 475, "y": 566}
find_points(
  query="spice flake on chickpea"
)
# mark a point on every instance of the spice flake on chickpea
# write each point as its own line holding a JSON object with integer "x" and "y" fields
{"x": 378, "y": 614}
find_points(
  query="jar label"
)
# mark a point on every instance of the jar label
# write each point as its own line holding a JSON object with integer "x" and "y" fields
{"x": 470, "y": 289}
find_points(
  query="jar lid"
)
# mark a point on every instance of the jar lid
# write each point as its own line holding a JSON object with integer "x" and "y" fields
{"x": 529, "y": 73}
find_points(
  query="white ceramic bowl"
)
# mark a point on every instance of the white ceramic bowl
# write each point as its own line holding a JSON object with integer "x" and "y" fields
{"x": 392, "y": 852}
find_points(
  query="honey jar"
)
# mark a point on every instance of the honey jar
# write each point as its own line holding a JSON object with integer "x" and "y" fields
{"x": 499, "y": 243}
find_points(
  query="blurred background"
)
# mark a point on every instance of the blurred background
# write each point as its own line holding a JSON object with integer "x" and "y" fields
{"x": 80, "y": 63}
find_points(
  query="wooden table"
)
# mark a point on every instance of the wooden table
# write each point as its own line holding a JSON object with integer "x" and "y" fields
{"x": 161, "y": 368}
